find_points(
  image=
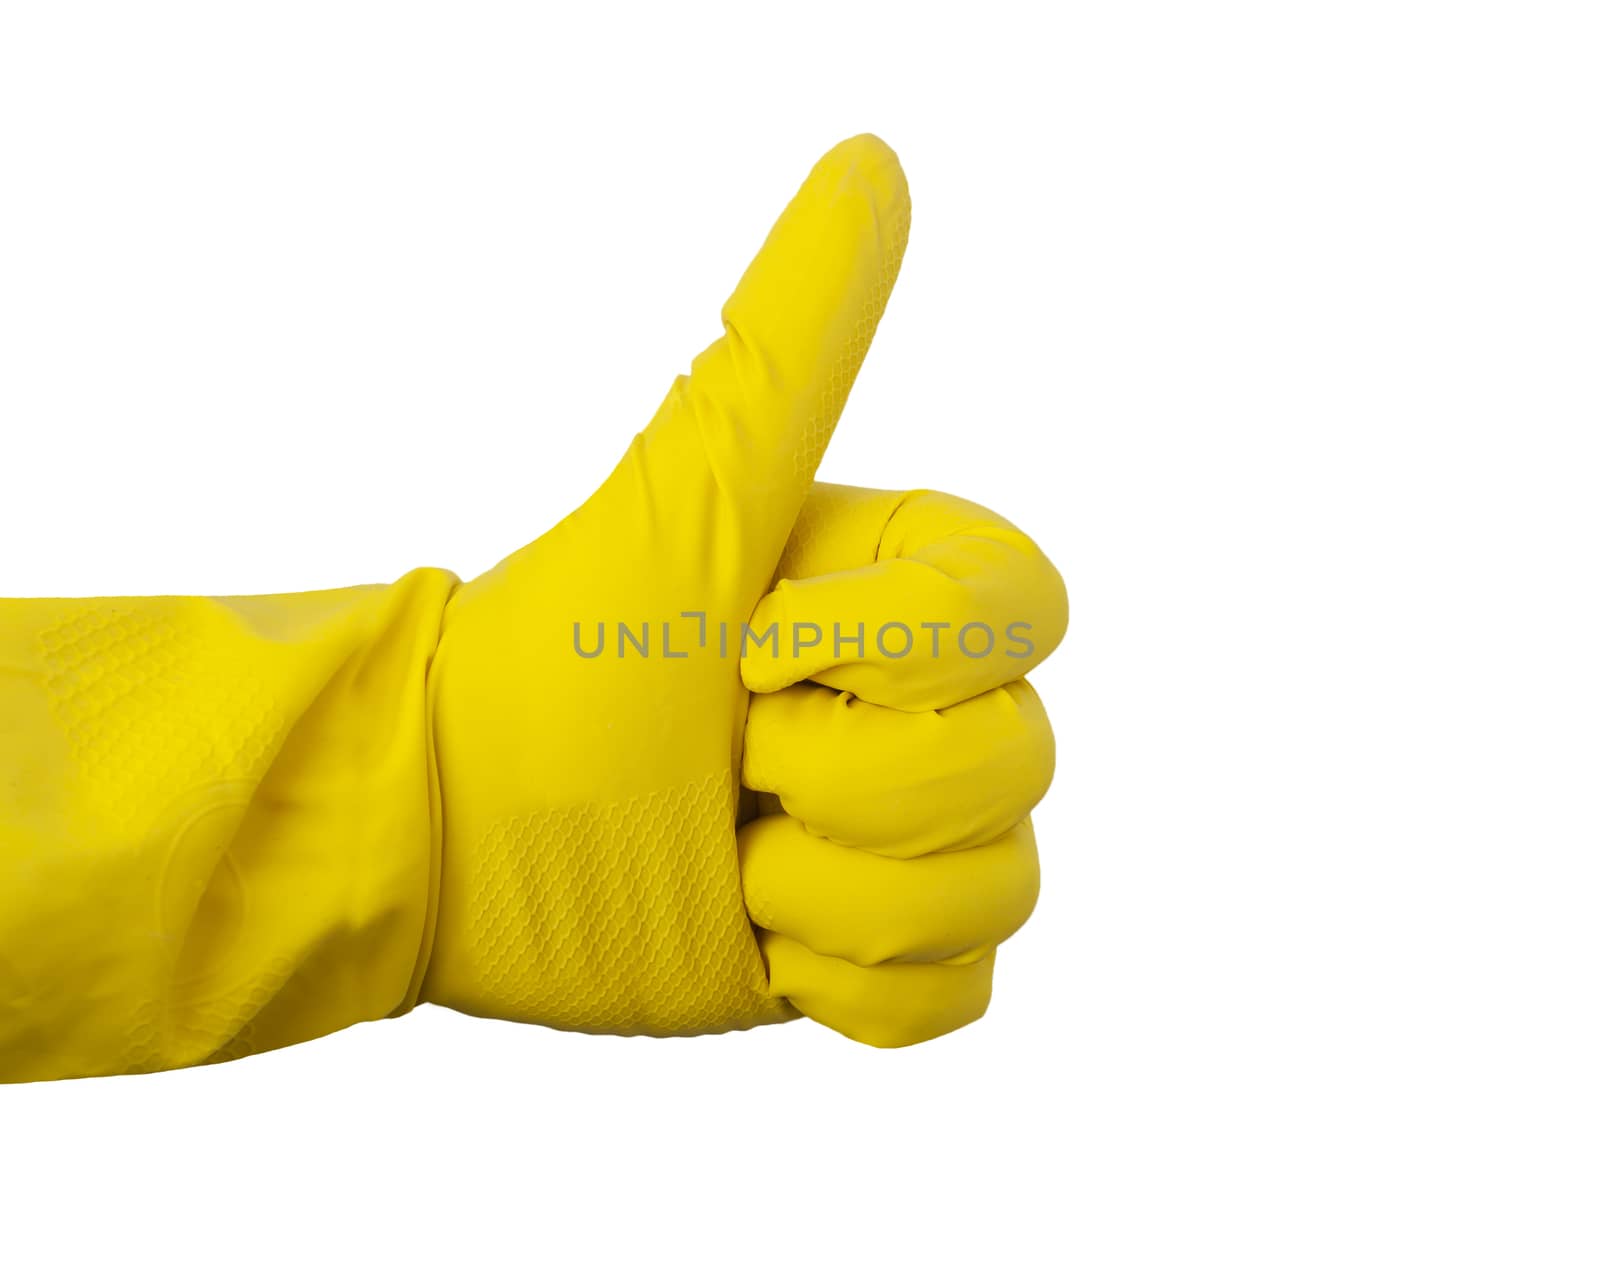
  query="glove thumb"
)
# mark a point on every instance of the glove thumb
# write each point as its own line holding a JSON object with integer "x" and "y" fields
{"x": 726, "y": 463}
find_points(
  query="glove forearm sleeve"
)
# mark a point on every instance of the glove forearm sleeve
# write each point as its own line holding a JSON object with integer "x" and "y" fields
{"x": 218, "y": 822}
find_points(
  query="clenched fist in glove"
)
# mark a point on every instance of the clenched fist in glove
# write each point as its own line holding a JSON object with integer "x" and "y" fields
{"x": 722, "y": 747}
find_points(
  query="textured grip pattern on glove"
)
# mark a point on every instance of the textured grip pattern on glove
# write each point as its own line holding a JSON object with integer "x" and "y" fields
{"x": 819, "y": 430}
{"x": 123, "y": 685}
{"x": 625, "y": 918}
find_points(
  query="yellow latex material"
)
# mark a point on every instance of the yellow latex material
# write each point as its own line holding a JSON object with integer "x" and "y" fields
{"x": 216, "y": 834}
{"x": 227, "y": 825}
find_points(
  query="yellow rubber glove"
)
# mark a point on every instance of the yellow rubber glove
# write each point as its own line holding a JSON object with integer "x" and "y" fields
{"x": 228, "y": 825}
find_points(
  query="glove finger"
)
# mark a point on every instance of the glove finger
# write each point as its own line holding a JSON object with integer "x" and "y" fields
{"x": 946, "y": 601}
{"x": 868, "y": 909}
{"x": 887, "y": 1006}
{"x": 895, "y": 782}
{"x": 730, "y": 454}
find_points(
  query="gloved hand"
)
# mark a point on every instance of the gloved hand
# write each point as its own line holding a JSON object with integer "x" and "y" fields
{"x": 589, "y": 710}
{"x": 227, "y": 825}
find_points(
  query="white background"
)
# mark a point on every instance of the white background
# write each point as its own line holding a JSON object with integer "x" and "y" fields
{"x": 1275, "y": 324}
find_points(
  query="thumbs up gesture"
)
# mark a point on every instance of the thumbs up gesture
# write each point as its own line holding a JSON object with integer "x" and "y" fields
{"x": 593, "y": 709}
{"x": 721, "y": 748}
